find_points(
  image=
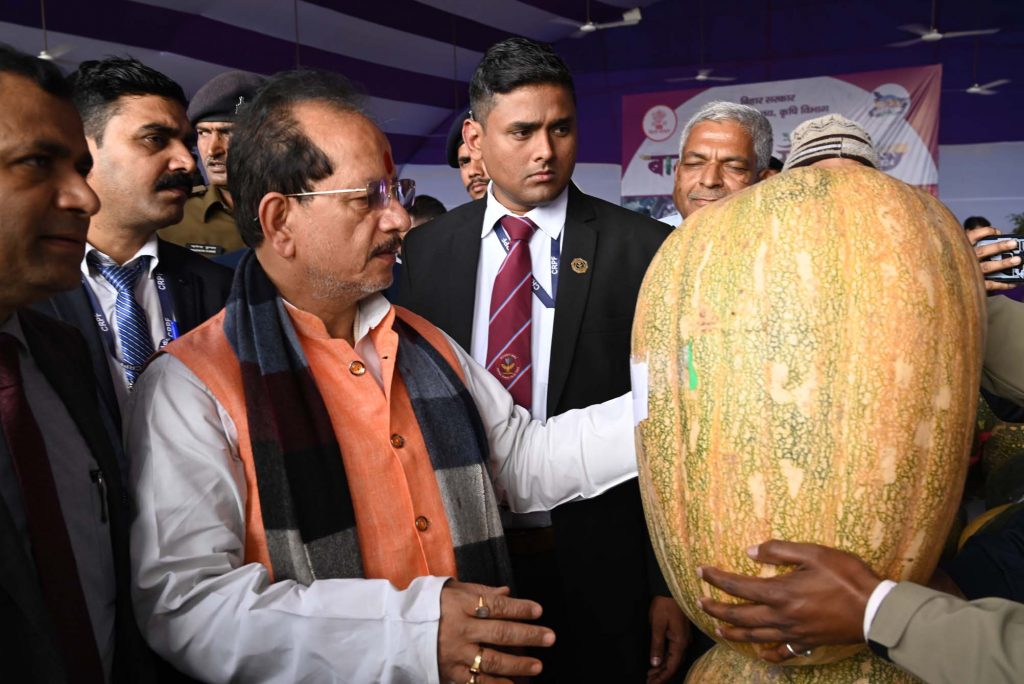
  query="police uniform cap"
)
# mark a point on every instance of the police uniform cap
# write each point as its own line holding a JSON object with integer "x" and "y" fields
{"x": 223, "y": 96}
{"x": 454, "y": 140}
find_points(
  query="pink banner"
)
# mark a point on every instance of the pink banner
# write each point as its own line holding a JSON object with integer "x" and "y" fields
{"x": 898, "y": 107}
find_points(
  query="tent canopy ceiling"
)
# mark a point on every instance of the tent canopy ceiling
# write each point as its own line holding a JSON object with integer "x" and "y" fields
{"x": 414, "y": 58}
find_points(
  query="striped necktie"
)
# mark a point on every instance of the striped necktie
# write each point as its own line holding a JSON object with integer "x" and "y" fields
{"x": 132, "y": 326}
{"x": 508, "y": 340}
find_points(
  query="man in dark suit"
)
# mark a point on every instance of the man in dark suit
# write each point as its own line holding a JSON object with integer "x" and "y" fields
{"x": 137, "y": 292}
{"x": 64, "y": 594}
{"x": 471, "y": 272}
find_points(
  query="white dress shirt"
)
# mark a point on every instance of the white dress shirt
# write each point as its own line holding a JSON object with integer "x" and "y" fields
{"x": 221, "y": 620}
{"x": 145, "y": 294}
{"x": 550, "y": 220}
{"x": 81, "y": 498}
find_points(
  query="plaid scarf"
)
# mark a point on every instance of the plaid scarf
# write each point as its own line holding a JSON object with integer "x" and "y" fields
{"x": 304, "y": 495}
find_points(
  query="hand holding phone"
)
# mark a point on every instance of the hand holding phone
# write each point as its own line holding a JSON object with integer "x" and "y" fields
{"x": 1001, "y": 257}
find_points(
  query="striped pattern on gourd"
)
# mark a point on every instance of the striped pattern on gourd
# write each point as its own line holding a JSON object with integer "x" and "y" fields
{"x": 813, "y": 349}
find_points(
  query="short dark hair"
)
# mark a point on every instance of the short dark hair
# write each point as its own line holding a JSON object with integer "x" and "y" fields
{"x": 426, "y": 207}
{"x": 973, "y": 222}
{"x": 269, "y": 150}
{"x": 40, "y": 71}
{"x": 97, "y": 85}
{"x": 514, "y": 63}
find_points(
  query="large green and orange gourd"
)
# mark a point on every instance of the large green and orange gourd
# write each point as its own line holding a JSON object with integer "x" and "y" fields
{"x": 811, "y": 348}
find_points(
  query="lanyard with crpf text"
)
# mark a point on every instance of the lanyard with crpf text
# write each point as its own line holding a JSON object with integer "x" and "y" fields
{"x": 163, "y": 291}
{"x": 548, "y": 300}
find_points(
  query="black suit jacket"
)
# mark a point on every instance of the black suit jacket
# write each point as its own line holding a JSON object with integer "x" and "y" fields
{"x": 602, "y": 544}
{"x": 29, "y": 645}
{"x": 199, "y": 289}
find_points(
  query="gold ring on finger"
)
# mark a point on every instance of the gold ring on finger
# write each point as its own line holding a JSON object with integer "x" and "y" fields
{"x": 482, "y": 610}
{"x": 474, "y": 669}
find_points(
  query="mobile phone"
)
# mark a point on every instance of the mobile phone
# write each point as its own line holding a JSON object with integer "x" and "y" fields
{"x": 1013, "y": 274}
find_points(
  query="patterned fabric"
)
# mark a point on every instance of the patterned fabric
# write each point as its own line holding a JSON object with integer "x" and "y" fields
{"x": 827, "y": 137}
{"x": 132, "y": 326}
{"x": 304, "y": 495}
{"x": 508, "y": 340}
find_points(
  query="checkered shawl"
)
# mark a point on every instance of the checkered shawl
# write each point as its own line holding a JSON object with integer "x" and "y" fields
{"x": 304, "y": 495}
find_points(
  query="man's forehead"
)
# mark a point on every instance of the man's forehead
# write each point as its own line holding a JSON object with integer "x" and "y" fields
{"x": 715, "y": 134}
{"x": 215, "y": 125}
{"x": 341, "y": 133}
{"x": 143, "y": 110}
{"x": 32, "y": 117}
{"x": 534, "y": 101}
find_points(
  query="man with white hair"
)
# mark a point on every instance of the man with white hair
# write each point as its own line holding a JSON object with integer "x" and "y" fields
{"x": 724, "y": 148}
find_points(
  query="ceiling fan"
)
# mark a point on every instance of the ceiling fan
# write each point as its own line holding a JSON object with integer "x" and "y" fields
{"x": 703, "y": 73}
{"x": 982, "y": 89}
{"x": 629, "y": 18}
{"x": 932, "y": 34}
{"x": 987, "y": 88}
{"x": 46, "y": 53}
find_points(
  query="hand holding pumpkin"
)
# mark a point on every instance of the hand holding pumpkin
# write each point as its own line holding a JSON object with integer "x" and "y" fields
{"x": 821, "y": 602}
{"x": 986, "y": 251}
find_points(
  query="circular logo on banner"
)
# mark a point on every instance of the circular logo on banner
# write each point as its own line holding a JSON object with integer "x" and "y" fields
{"x": 659, "y": 123}
{"x": 508, "y": 366}
{"x": 889, "y": 99}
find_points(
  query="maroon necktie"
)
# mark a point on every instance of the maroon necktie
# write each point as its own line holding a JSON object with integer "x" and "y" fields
{"x": 508, "y": 339}
{"x": 51, "y": 546}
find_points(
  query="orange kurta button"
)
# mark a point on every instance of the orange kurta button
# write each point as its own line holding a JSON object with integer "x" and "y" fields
{"x": 422, "y": 524}
{"x": 397, "y": 441}
{"x": 356, "y": 368}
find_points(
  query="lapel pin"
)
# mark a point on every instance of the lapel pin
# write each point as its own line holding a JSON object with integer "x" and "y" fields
{"x": 579, "y": 265}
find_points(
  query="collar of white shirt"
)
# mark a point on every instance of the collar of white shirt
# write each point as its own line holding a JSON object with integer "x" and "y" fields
{"x": 550, "y": 218}
{"x": 149, "y": 249}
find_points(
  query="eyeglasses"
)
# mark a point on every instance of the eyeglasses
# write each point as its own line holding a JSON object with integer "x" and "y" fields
{"x": 378, "y": 192}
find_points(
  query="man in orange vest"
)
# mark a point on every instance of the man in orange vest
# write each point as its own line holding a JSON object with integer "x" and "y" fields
{"x": 317, "y": 472}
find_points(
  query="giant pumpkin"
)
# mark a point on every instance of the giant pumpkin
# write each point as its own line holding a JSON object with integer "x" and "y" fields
{"x": 806, "y": 359}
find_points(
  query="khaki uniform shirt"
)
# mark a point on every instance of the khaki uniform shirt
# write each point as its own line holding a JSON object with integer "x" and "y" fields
{"x": 208, "y": 226}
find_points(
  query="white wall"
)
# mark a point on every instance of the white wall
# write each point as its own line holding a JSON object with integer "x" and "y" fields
{"x": 974, "y": 180}
{"x": 983, "y": 180}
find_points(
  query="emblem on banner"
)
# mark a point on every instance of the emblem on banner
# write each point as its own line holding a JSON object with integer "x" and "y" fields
{"x": 659, "y": 123}
{"x": 579, "y": 265}
{"x": 890, "y": 100}
{"x": 508, "y": 366}
{"x": 890, "y": 157}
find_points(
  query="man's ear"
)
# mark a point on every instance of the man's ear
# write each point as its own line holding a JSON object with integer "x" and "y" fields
{"x": 472, "y": 134}
{"x": 277, "y": 219}
{"x": 766, "y": 173}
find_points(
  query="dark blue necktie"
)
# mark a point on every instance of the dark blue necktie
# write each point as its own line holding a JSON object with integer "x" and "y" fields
{"x": 132, "y": 327}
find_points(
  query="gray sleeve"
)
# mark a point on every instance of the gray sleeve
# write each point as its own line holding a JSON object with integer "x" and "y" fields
{"x": 946, "y": 640}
